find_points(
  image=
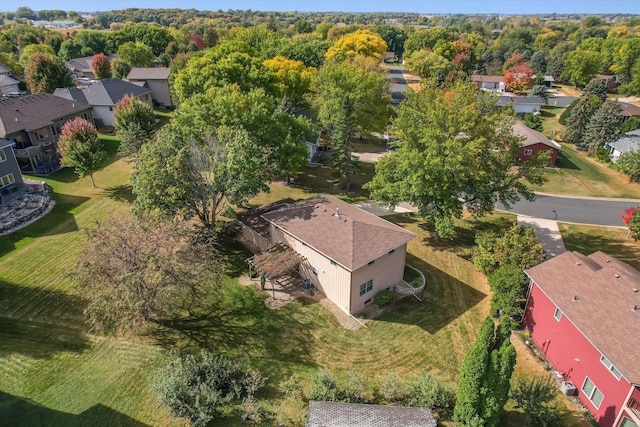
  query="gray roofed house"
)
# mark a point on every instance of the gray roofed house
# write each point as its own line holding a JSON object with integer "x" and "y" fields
{"x": 81, "y": 67}
{"x": 103, "y": 95}
{"x": 4, "y": 70}
{"x": 337, "y": 414}
{"x": 10, "y": 175}
{"x": 623, "y": 143}
{"x": 8, "y": 84}
{"x": 350, "y": 254}
{"x": 34, "y": 122}
{"x": 156, "y": 79}
{"x": 522, "y": 104}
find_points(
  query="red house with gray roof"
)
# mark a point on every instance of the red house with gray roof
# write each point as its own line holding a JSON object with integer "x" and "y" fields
{"x": 350, "y": 254}
{"x": 583, "y": 313}
{"x": 535, "y": 142}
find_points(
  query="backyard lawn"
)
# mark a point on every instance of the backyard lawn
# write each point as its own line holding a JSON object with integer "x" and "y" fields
{"x": 52, "y": 369}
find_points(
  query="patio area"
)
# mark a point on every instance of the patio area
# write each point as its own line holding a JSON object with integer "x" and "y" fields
{"x": 30, "y": 202}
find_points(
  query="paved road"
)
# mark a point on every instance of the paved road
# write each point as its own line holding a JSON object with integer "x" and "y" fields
{"x": 577, "y": 210}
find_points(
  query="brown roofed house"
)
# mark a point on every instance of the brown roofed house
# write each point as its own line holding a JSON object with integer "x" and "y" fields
{"x": 350, "y": 254}
{"x": 535, "y": 142}
{"x": 33, "y": 123}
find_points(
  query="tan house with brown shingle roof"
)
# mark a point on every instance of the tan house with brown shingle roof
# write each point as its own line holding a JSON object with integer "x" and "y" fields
{"x": 351, "y": 255}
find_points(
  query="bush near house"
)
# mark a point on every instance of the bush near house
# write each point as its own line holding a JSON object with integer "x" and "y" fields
{"x": 383, "y": 298}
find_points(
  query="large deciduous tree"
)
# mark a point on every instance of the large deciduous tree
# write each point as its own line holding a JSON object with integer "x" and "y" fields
{"x": 358, "y": 43}
{"x": 457, "y": 150}
{"x": 80, "y": 147}
{"x": 138, "y": 272}
{"x": 137, "y": 54}
{"x": 135, "y": 123}
{"x": 519, "y": 77}
{"x": 483, "y": 388}
{"x": 292, "y": 77}
{"x": 101, "y": 66}
{"x": 45, "y": 73}
{"x": 349, "y": 101}
{"x": 221, "y": 146}
{"x": 580, "y": 66}
{"x": 427, "y": 64}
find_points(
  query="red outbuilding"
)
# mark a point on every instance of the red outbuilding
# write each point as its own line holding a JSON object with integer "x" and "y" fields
{"x": 583, "y": 313}
{"x": 535, "y": 142}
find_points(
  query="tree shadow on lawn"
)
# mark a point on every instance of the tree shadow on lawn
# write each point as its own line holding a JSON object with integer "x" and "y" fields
{"x": 18, "y": 411}
{"x": 26, "y": 316}
{"x": 58, "y": 221}
{"x": 120, "y": 193}
{"x": 237, "y": 321}
{"x": 444, "y": 299}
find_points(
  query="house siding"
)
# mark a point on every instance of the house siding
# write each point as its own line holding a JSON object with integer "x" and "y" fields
{"x": 572, "y": 354}
{"x": 535, "y": 149}
{"x": 10, "y": 166}
{"x": 333, "y": 280}
{"x": 160, "y": 92}
{"x": 385, "y": 272}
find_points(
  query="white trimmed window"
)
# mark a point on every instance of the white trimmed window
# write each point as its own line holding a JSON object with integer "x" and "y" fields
{"x": 8, "y": 179}
{"x": 528, "y": 152}
{"x": 366, "y": 287}
{"x": 610, "y": 367}
{"x": 592, "y": 392}
{"x": 558, "y": 314}
{"x": 3, "y": 157}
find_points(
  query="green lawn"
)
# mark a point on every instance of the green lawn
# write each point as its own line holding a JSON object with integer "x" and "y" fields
{"x": 577, "y": 173}
{"x": 613, "y": 241}
{"x": 52, "y": 369}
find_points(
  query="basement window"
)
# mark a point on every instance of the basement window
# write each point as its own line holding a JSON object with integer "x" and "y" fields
{"x": 558, "y": 314}
{"x": 614, "y": 371}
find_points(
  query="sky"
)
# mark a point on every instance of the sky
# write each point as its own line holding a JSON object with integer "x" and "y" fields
{"x": 419, "y": 6}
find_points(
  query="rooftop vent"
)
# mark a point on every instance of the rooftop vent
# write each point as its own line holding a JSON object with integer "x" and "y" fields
{"x": 617, "y": 276}
{"x": 634, "y": 290}
{"x": 635, "y": 308}
{"x": 578, "y": 263}
{"x": 607, "y": 260}
{"x": 576, "y": 298}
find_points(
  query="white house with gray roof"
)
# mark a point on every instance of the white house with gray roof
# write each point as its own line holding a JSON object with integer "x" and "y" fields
{"x": 624, "y": 143}
{"x": 103, "y": 97}
{"x": 156, "y": 79}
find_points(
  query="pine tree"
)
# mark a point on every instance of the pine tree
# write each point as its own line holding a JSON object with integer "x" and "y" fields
{"x": 485, "y": 376}
{"x": 580, "y": 117}
{"x": 604, "y": 124}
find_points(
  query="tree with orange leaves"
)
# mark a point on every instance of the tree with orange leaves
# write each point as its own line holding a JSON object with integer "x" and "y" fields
{"x": 519, "y": 77}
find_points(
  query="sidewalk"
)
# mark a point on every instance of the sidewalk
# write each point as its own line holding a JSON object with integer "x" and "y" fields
{"x": 547, "y": 232}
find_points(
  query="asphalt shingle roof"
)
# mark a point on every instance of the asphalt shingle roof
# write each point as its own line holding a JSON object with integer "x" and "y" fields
{"x": 342, "y": 232}
{"x": 627, "y": 142}
{"x": 33, "y": 112}
{"x": 532, "y": 136}
{"x": 156, "y": 73}
{"x": 103, "y": 92}
{"x": 336, "y": 414}
{"x": 607, "y": 308}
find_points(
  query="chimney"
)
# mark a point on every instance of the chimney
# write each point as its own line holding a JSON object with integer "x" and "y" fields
{"x": 338, "y": 213}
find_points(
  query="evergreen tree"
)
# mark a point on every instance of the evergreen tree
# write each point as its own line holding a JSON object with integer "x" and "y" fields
{"x": 605, "y": 123}
{"x": 596, "y": 87}
{"x": 538, "y": 62}
{"x": 580, "y": 117}
{"x": 541, "y": 91}
{"x": 483, "y": 388}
